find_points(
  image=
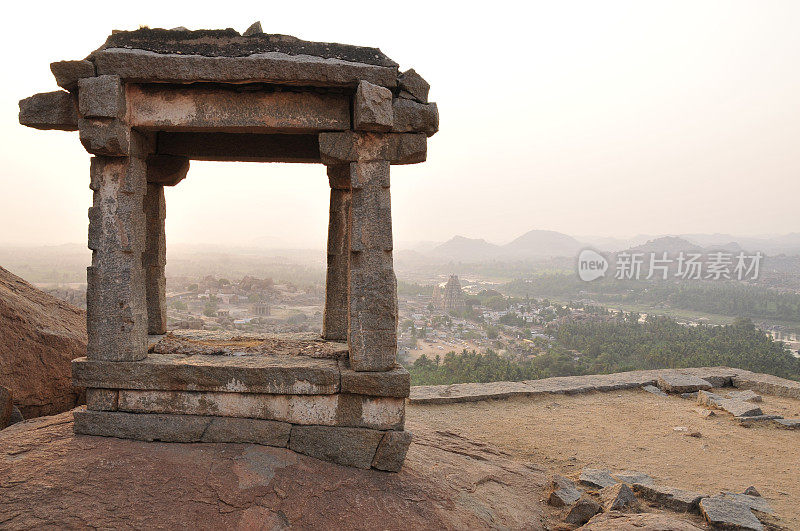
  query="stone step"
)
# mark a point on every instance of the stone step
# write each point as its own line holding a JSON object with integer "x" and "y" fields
{"x": 358, "y": 447}
{"x": 278, "y": 374}
{"x": 327, "y": 410}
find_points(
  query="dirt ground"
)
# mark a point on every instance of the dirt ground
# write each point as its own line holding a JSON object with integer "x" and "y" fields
{"x": 634, "y": 430}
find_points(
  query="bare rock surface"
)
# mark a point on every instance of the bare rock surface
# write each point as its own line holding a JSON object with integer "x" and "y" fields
{"x": 6, "y": 407}
{"x": 53, "y": 478}
{"x": 39, "y": 336}
{"x": 615, "y": 521}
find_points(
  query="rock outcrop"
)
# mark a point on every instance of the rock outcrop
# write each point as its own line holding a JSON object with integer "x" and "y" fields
{"x": 39, "y": 336}
{"x": 58, "y": 479}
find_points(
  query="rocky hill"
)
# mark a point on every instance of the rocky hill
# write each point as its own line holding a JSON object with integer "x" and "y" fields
{"x": 39, "y": 336}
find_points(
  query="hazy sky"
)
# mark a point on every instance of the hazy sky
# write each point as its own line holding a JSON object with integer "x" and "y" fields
{"x": 599, "y": 117}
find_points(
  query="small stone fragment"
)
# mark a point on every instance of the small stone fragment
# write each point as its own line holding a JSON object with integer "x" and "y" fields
{"x": 789, "y": 424}
{"x": 582, "y": 511}
{"x": 619, "y": 497}
{"x": 564, "y": 492}
{"x": 726, "y": 513}
{"x": 751, "y": 491}
{"x": 705, "y": 413}
{"x": 681, "y": 383}
{"x": 707, "y": 398}
{"x": 596, "y": 478}
{"x": 254, "y": 29}
{"x": 372, "y": 108}
{"x": 413, "y": 83}
{"x": 654, "y": 390}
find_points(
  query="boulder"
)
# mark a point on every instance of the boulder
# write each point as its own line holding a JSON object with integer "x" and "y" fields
{"x": 57, "y": 479}
{"x": 582, "y": 511}
{"x": 16, "y": 416}
{"x": 726, "y": 513}
{"x": 40, "y": 336}
{"x": 563, "y": 493}
{"x": 596, "y": 478}
{"x": 619, "y": 497}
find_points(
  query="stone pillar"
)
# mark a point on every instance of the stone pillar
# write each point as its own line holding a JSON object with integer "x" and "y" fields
{"x": 155, "y": 259}
{"x": 116, "y": 310}
{"x": 334, "y": 324}
{"x": 372, "y": 285}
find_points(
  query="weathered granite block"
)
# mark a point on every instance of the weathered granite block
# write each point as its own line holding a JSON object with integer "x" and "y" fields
{"x": 669, "y": 497}
{"x": 67, "y": 73}
{"x": 105, "y": 136}
{"x": 101, "y": 97}
{"x": 372, "y": 108}
{"x": 325, "y": 410}
{"x": 391, "y": 452}
{"x": 181, "y": 428}
{"x": 345, "y": 446}
{"x": 395, "y": 382}
{"x": 563, "y": 492}
{"x": 270, "y": 67}
{"x": 272, "y": 374}
{"x": 102, "y": 399}
{"x": 724, "y": 513}
{"x": 371, "y": 211}
{"x": 154, "y": 259}
{"x": 116, "y": 308}
{"x": 413, "y": 117}
{"x": 161, "y": 107}
{"x": 351, "y": 146}
{"x": 682, "y": 383}
{"x": 49, "y": 110}
{"x": 166, "y": 170}
{"x": 414, "y": 84}
{"x": 336, "y": 292}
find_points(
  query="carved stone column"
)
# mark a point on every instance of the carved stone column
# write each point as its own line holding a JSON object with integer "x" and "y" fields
{"x": 334, "y": 325}
{"x": 155, "y": 259}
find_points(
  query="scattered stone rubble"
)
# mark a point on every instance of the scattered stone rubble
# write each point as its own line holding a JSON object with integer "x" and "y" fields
{"x": 622, "y": 492}
{"x": 147, "y": 102}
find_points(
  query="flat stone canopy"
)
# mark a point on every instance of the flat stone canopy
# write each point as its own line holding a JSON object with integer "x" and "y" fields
{"x": 146, "y": 103}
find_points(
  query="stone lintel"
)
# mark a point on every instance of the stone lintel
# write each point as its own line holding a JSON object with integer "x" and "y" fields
{"x": 181, "y": 428}
{"x": 204, "y": 108}
{"x": 351, "y": 146}
{"x": 68, "y": 73}
{"x": 273, "y": 374}
{"x": 269, "y": 67}
{"x": 49, "y": 110}
{"x": 244, "y": 147}
{"x": 395, "y": 382}
{"x": 324, "y": 410}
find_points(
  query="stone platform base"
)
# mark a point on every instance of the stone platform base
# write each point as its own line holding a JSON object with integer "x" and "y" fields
{"x": 356, "y": 447}
{"x": 295, "y": 393}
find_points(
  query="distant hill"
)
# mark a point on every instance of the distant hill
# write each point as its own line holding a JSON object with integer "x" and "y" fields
{"x": 541, "y": 243}
{"x": 463, "y": 249}
{"x": 671, "y": 244}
